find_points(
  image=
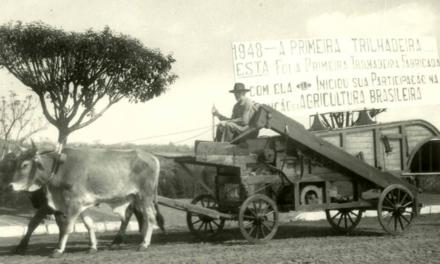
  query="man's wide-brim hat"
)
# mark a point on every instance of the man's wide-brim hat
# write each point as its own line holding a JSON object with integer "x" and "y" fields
{"x": 239, "y": 87}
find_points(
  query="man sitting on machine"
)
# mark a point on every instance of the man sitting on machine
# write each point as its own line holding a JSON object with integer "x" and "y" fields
{"x": 243, "y": 110}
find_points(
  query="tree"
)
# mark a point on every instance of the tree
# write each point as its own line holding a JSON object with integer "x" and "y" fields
{"x": 18, "y": 119}
{"x": 78, "y": 76}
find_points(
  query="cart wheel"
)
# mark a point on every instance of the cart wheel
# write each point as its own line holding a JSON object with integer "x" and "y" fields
{"x": 344, "y": 220}
{"x": 396, "y": 209}
{"x": 202, "y": 226}
{"x": 258, "y": 218}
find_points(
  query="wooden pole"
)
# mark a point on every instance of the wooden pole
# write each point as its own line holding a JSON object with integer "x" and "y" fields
{"x": 213, "y": 127}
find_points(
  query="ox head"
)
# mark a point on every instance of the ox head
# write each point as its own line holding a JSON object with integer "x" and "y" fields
{"x": 27, "y": 171}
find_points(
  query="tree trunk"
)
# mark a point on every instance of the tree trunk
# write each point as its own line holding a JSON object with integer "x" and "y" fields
{"x": 63, "y": 134}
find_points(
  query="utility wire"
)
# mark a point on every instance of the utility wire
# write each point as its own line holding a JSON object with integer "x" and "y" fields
{"x": 183, "y": 140}
{"x": 164, "y": 135}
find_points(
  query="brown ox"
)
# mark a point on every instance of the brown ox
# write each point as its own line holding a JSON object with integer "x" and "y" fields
{"x": 39, "y": 202}
{"x": 89, "y": 177}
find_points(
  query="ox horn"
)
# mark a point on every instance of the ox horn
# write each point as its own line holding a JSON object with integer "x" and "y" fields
{"x": 34, "y": 147}
{"x": 20, "y": 147}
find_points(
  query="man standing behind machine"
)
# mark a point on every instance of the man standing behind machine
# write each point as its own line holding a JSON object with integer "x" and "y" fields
{"x": 243, "y": 110}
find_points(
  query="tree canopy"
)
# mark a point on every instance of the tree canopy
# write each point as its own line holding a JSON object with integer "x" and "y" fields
{"x": 78, "y": 76}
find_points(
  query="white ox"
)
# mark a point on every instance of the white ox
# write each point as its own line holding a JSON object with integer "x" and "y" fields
{"x": 89, "y": 177}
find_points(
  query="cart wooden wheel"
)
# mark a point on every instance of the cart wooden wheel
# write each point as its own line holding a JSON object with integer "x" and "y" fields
{"x": 396, "y": 209}
{"x": 202, "y": 226}
{"x": 344, "y": 220}
{"x": 258, "y": 218}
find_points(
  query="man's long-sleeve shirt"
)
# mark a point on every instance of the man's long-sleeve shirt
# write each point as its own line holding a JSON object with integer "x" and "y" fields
{"x": 241, "y": 113}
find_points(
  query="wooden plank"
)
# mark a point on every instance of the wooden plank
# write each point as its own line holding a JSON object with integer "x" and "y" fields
{"x": 401, "y": 149}
{"x": 315, "y": 207}
{"x": 390, "y": 130}
{"x": 320, "y": 170}
{"x": 394, "y": 158}
{"x": 405, "y": 151}
{"x": 435, "y": 173}
{"x": 362, "y": 141}
{"x": 172, "y": 155}
{"x": 418, "y": 130}
{"x": 378, "y": 155}
{"x": 327, "y": 192}
{"x": 261, "y": 178}
{"x": 343, "y": 139}
{"x": 302, "y": 137}
{"x": 361, "y": 136}
{"x": 359, "y": 145}
{"x": 393, "y": 136}
{"x": 324, "y": 177}
{"x": 198, "y": 180}
{"x": 296, "y": 194}
{"x": 227, "y": 160}
{"x": 333, "y": 140}
{"x": 382, "y": 126}
{"x": 185, "y": 206}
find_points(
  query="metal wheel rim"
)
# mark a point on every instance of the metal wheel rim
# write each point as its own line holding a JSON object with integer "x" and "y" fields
{"x": 201, "y": 226}
{"x": 258, "y": 218}
{"x": 396, "y": 209}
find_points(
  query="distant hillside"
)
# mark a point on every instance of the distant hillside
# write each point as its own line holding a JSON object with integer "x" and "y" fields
{"x": 171, "y": 148}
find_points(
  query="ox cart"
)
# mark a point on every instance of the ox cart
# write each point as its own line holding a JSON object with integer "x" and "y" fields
{"x": 340, "y": 171}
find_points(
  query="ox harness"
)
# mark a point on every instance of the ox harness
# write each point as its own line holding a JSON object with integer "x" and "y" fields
{"x": 57, "y": 160}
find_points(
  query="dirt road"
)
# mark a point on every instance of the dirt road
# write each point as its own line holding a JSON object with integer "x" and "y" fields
{"x": 299, "y": 242}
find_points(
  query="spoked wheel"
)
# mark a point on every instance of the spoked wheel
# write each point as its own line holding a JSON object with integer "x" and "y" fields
{"x": 202, "y": 226}
{"x": 344, "y": 220}
{"x": 258, "y": 218}
{"x": 396, "y": 209}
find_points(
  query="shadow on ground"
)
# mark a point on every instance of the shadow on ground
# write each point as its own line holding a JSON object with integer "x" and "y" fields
{"x": 230, "y": 236}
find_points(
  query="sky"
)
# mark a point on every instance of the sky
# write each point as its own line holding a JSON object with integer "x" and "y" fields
{"x": 199, "y": 35}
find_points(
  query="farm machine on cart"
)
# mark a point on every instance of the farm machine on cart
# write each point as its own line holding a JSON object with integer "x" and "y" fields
{"x": 343, "y": 172}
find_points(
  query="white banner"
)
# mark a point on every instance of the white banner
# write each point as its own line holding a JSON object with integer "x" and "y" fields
{"x": 331, "y": 74}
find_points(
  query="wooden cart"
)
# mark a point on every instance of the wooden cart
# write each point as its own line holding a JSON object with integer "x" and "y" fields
{"x": 342, "y": 172}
